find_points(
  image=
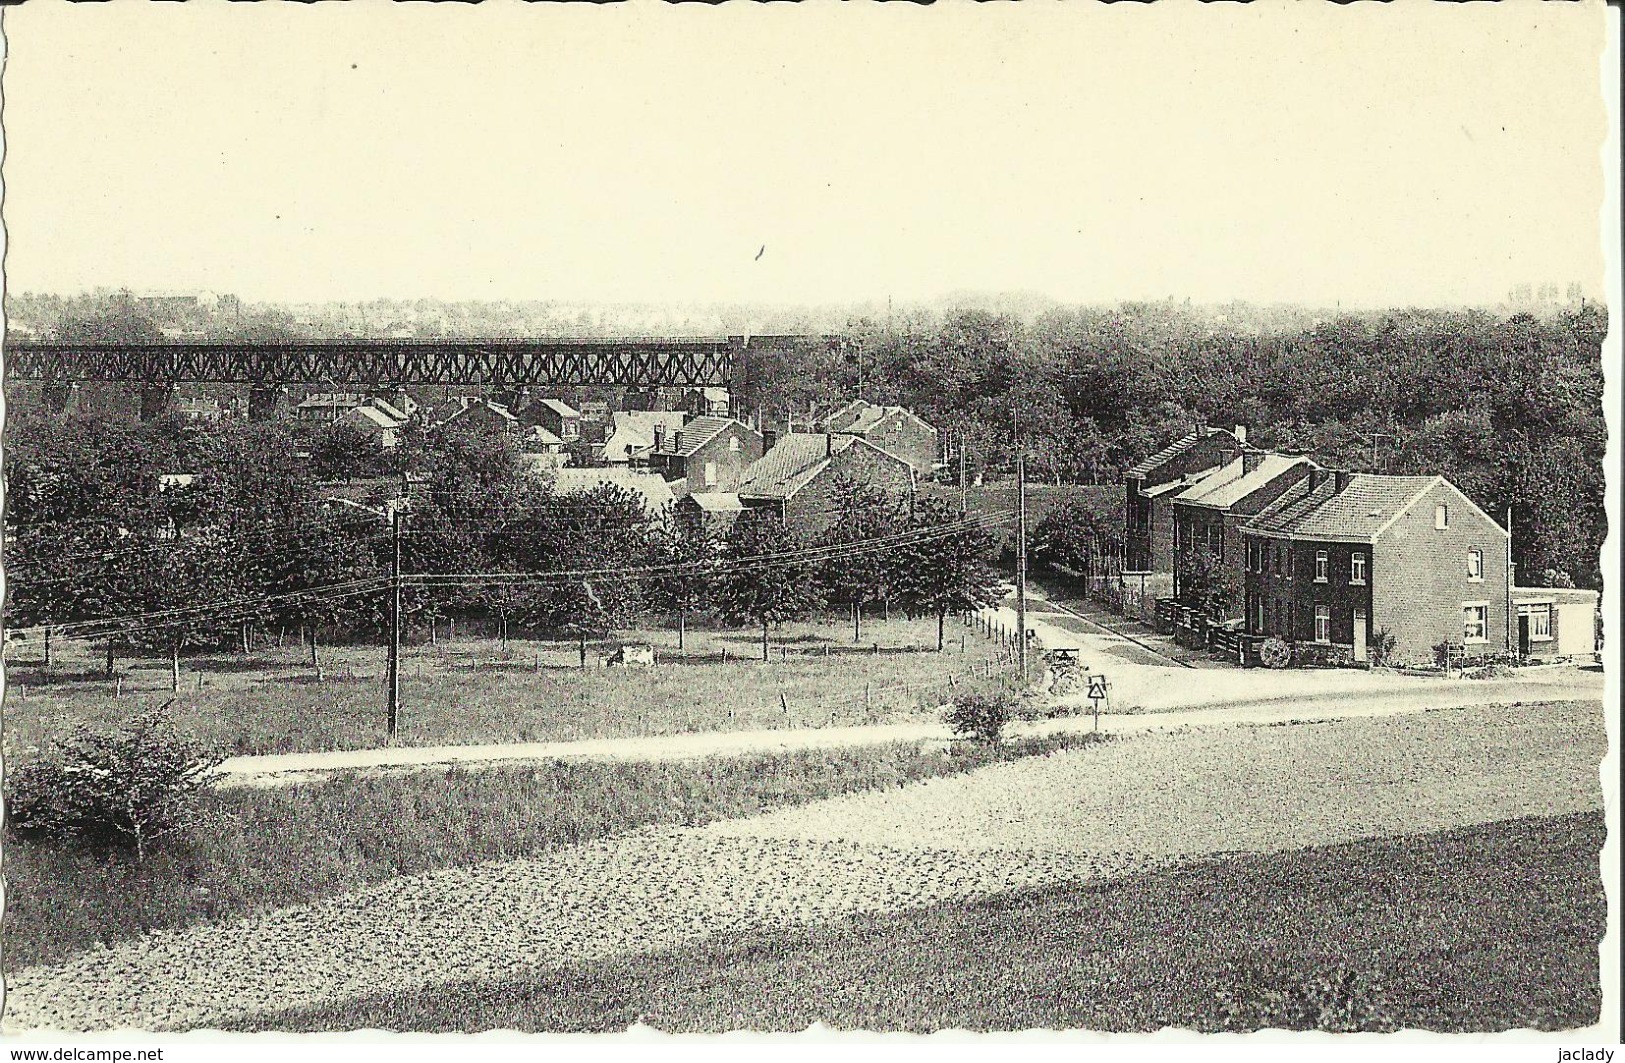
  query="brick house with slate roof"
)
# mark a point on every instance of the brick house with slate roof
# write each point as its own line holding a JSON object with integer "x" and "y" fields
{"x": 797, "y": 479}
{"x": 891, "y": 428}
{"x": 557, "y": 416}
{"x": 1209, "y": 514}
{"x": 1148, "y": 519}
{"x": 1339, "y": 556}
{"x": 711, "y": 453}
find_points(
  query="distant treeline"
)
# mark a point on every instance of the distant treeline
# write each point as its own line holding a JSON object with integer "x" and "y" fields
{"x": 1508, "y": 408}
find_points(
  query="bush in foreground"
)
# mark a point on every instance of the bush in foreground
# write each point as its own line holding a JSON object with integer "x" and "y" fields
{"x": 980, "y": 716}
{"x": 124, "y": 789}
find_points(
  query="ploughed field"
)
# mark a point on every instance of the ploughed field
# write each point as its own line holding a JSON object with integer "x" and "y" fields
{"x": 468, "y": 691}
{"x": 1237, "y": 845}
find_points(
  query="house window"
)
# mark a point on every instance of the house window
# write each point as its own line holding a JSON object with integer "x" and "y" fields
{"x": 1441, "y": 516}
{"x": 1323, "y": 564}
{"x": 1357, "y": 568}
{"x": 1475, "y": 622}
{"x": 733, "y": 444}
{"x": 1475, "y": 565}
{"x": 710, "y": 474}
{"x": 1323, "y": 623}
{"x": 1539, "y": 621}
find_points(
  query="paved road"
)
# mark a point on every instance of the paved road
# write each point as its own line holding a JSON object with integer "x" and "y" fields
{"x": 1087, "y": 813}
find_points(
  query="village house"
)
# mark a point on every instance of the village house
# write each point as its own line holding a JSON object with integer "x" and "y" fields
{"x": 650, "y": 486}
{"x": 557, "y": 416}
{"x": 891, "y": 428}
{"x": 1340, "y": 556}
{"x": 710, "y": 453}
{"x": 327, "y": 406}
{"x": 202, "y": 409}
{"x": 1555, "y": 621}
{"x": 470, "y": 411}
{"x": 538, "y": 440}
{"x": 712, "y": 511}
{"x": 631, "y": 435}
{"x": 331, "y": 406}
{"x": 1148, "y": 518}
{"x": 707, "y": 402}
{"x": 799, "y": 478}
{"x": 378, "y": 421}
{"x": 1209, "y": 514}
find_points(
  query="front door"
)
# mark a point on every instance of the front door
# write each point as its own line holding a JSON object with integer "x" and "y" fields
{"x": 1359, "y": 634}
{"x": 1523, "y": 634}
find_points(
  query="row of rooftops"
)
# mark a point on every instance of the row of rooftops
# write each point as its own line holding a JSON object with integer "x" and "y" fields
{"x": 1330, "y": 504}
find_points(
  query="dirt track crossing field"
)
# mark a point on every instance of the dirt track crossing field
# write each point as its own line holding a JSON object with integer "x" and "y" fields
{"x": 1103, "y": 811}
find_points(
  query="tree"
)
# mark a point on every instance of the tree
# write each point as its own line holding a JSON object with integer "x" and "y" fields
{"x": 319, "y": 558}
{"x": 854, "y": 577}
{"x": 50, "y": 574}
{"x": 174, "y": 594}
{"x": 688, "y": 553}
{"x": 1077, "y": 534}
{"x": 606, "y": 536}
{"x": 761, "y": 581}
{"x": 1214, "y": 585}
{"x": 945, "y": 568}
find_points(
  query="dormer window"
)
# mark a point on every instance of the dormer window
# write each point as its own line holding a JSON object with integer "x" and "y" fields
{"x": 1441, "y": 516}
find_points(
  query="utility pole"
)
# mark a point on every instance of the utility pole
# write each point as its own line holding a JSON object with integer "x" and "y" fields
{"x": 1512, "y": 645}
{"x": 395, "y": 522}
{"x": 964, "y": 491}
{"x": 1021, "y": 558}
{"x": 1375, "y": 436}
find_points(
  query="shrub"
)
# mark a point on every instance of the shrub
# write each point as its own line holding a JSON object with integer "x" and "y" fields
{"x": 123, "y": 789}
{"x": 979, "y": 716}
{"x": 1381, "y": 647}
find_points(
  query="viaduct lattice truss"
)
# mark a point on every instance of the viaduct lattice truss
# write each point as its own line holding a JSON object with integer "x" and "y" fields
{"x": 628, "y": 362}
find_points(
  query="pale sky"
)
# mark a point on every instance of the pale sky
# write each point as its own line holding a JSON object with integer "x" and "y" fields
{"x": 1374, "y": 154}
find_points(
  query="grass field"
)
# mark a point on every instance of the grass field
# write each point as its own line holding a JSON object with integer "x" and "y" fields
{"x": 472, "y": 690}
{"x": 1492, "y": 927}
{"x": 261, "y": 849}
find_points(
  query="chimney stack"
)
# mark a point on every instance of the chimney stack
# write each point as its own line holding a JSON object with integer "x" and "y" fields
{"x": 1251, "y": 459}
{"x": 829, "y": 445}
{"x": 677, "y": 441}
{"x": 1240, "y": 433}
{"x": 1317, "y": 476}
{"x": 660, "y": 437}
{"x": 1342, "y": 480}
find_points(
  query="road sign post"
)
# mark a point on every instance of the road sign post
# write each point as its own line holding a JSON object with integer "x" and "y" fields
{"x": 1097, "y": 694}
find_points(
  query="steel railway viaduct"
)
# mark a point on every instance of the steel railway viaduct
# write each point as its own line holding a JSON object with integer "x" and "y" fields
{"x": 267, "y": 368}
